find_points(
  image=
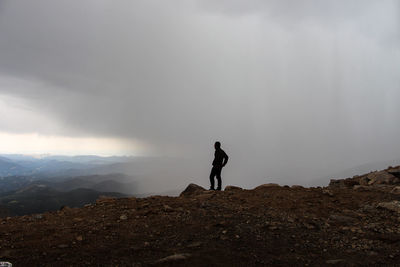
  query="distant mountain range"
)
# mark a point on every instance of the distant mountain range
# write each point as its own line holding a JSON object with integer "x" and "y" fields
{"x": 34, "y": 184}
{"x": 104, "y": 183}
{"x": 151, "y": 174}
{"x": 50, "y": 166}
{"x": 20, "y": 195}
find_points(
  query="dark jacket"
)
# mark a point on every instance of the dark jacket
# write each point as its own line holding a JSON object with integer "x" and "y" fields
{"x": 221, "y": 158}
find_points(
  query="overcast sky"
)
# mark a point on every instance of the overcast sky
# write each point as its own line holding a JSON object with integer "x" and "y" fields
{"x": 292, "y": 89}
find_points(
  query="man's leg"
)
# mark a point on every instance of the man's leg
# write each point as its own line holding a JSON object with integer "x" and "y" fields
{"x": 212, "y": 174}
{"x": 218, "y": 175}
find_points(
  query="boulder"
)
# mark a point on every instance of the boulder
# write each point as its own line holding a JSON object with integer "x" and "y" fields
{"x": 363, "y": 180}
{"x": 394, "y": 171}
{"x": 393, "y": 206}
{"x": 341, "y": 183}
{"x": 267, "y": 186}
{"x": 350, "y": 182}
{"x": 336, "y": 182}
{"x": 192, "y": 189}
{"x": 327, "y": 192}
{"x": 232, "y": 188}
{"x": 396, "y": 190}
{"x": 297, "y": 186}
{"x": 381, "y": 177}
{"x": 105, "y": 199}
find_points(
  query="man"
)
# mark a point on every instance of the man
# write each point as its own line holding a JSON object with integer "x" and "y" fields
{"x": 220, "y": 160}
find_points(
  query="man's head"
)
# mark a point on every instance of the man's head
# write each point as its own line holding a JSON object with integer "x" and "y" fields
{"x": 217, "y": 145}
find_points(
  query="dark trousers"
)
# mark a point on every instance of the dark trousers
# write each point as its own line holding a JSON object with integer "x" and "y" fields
{"x": 216, "y": 172}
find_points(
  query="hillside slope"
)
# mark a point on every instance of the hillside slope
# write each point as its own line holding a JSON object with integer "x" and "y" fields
{"x": 267, "y": 226}
{"x": 41, "y": 198}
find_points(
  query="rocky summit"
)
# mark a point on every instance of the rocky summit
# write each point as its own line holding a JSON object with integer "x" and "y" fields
{"x": 351, "y": 222}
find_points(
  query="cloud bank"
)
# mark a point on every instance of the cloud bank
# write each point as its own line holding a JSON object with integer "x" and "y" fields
{"x": 293, "y": 89}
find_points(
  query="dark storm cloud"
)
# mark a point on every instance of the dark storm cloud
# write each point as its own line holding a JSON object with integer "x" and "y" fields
{"x": 292, "y": 88}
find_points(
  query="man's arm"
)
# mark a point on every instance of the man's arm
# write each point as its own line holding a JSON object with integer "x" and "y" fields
{"x": 225, "y": 160}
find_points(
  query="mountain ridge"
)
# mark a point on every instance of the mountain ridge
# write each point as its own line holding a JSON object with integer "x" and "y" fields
{"x": 343, "y": 224}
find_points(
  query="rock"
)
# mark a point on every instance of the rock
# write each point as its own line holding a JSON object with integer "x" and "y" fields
{"x": 105, "y": 199}
{"x": 327, "y": 192}
{"x": 381, "y": 177}
{"x": 267, "y": 186}
{"x": 232, "y": 188}
{"x": 64, "y": 208}
{"x": 394, "y": 171}
{"x": 79, "y": 238}
{"x": 350, "y": 182}
{"x": 393, "y": 205}
{"x": 363, "y": 180}
{"x": 175, "y": 257}
{"x": 192, "y": 189}
{"x": 336, "y": 183}
{"x": 123, "y": 217}
{"x": 297, "y": 186}
{"x": 396, "y": 190}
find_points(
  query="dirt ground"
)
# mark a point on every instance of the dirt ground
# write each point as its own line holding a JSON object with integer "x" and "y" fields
{"x": 266, "y": 226}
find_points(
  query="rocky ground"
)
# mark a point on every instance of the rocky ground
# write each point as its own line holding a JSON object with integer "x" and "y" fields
{"x": 352, "y": 222}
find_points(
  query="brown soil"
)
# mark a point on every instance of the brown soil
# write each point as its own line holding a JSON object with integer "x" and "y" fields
{"x": 267, "y": 226}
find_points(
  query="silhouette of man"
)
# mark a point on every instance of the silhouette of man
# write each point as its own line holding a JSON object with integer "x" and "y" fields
{"x": 220, "y": 160}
